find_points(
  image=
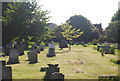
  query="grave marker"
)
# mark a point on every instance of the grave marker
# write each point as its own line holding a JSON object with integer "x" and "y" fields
{"x": 32, "y": 57}
{"x": 13, "y": 56}
{"x": 41, "y": 47}
{"x": 51, "y": 50}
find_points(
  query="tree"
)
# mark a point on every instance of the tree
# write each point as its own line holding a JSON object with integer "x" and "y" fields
{"x": 80, "y": 22}
{"x": 113, "y": 29}
{"x": 23, "y": 21}
{"x": 69, "y": 33}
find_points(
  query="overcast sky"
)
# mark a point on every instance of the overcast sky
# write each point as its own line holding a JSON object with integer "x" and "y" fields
{"x": 97, "y": 11}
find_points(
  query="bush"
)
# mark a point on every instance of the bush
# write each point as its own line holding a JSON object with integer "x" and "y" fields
{"x": 112, "y": 50}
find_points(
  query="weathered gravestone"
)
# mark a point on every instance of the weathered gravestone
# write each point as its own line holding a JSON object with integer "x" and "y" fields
{"x": 52, "y": 72}
{"x": 41, "y": 47}
{"x": 5, "y": 71}
{"x": 20, "y": 49}
{"x": 13, "y": 56}
{"x": 32, "y": 57}
{"x": 51, "y": 50}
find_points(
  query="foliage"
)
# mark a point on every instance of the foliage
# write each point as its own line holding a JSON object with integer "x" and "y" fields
{"x": 102, "y": 39}
{"x": 69, "y": 33}
{"x": 114, "y": 27}
{"x": 23, "y": 21}
{"x": 112, "y": 30}
{"x": 112, "y": 50}
{"x": 116, "y": 16}
{"x": 80, "y": 22}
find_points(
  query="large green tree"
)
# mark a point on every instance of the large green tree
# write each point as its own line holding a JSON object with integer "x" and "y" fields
{"x": 112, "y": 31}
{"x": 69, "y": 33}
{"x": 23, "y": 20}
{"x": 79, "y": 21}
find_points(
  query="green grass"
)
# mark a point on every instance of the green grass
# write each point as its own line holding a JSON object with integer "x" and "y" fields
{"x": 69, "y": 62}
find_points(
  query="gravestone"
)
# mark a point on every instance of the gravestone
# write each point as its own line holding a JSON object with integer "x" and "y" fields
{"x": 63, "y": 44}
{"x": 13, "y": 56}
{"x": 51, "y": 69}
{"x": 41, "y": 47}
{"x": 20, "y": 49}
{"x": 51, "y": 50}
{"x": 37, "y": 50}
{"x": 32, "y": 57}
{"x": 52, "y": 72}
{"x": 6, "y": 73}
{"x": 58, "y": 76}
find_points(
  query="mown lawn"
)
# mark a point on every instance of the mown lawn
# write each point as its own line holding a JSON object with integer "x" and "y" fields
{"x": 78, "y": 63}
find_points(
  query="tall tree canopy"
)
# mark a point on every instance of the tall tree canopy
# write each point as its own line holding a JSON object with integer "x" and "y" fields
{"x": 79, "y": 21}
{"x": 23, "y": 20}
{"x": 112, "y": 31}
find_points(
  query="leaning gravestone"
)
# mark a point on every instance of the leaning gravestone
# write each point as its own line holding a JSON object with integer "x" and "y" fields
{"x": 32, "y": 57}
{"x": 13, "y": 56}
{"x": 6, "y": 73}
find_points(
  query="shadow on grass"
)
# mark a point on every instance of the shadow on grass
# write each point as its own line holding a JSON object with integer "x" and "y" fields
{"x": 78, "y": 51}
{"x": 62, "y": 52}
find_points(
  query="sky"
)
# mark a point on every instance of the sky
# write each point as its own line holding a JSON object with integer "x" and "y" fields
{"x": 97, "y": 11}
